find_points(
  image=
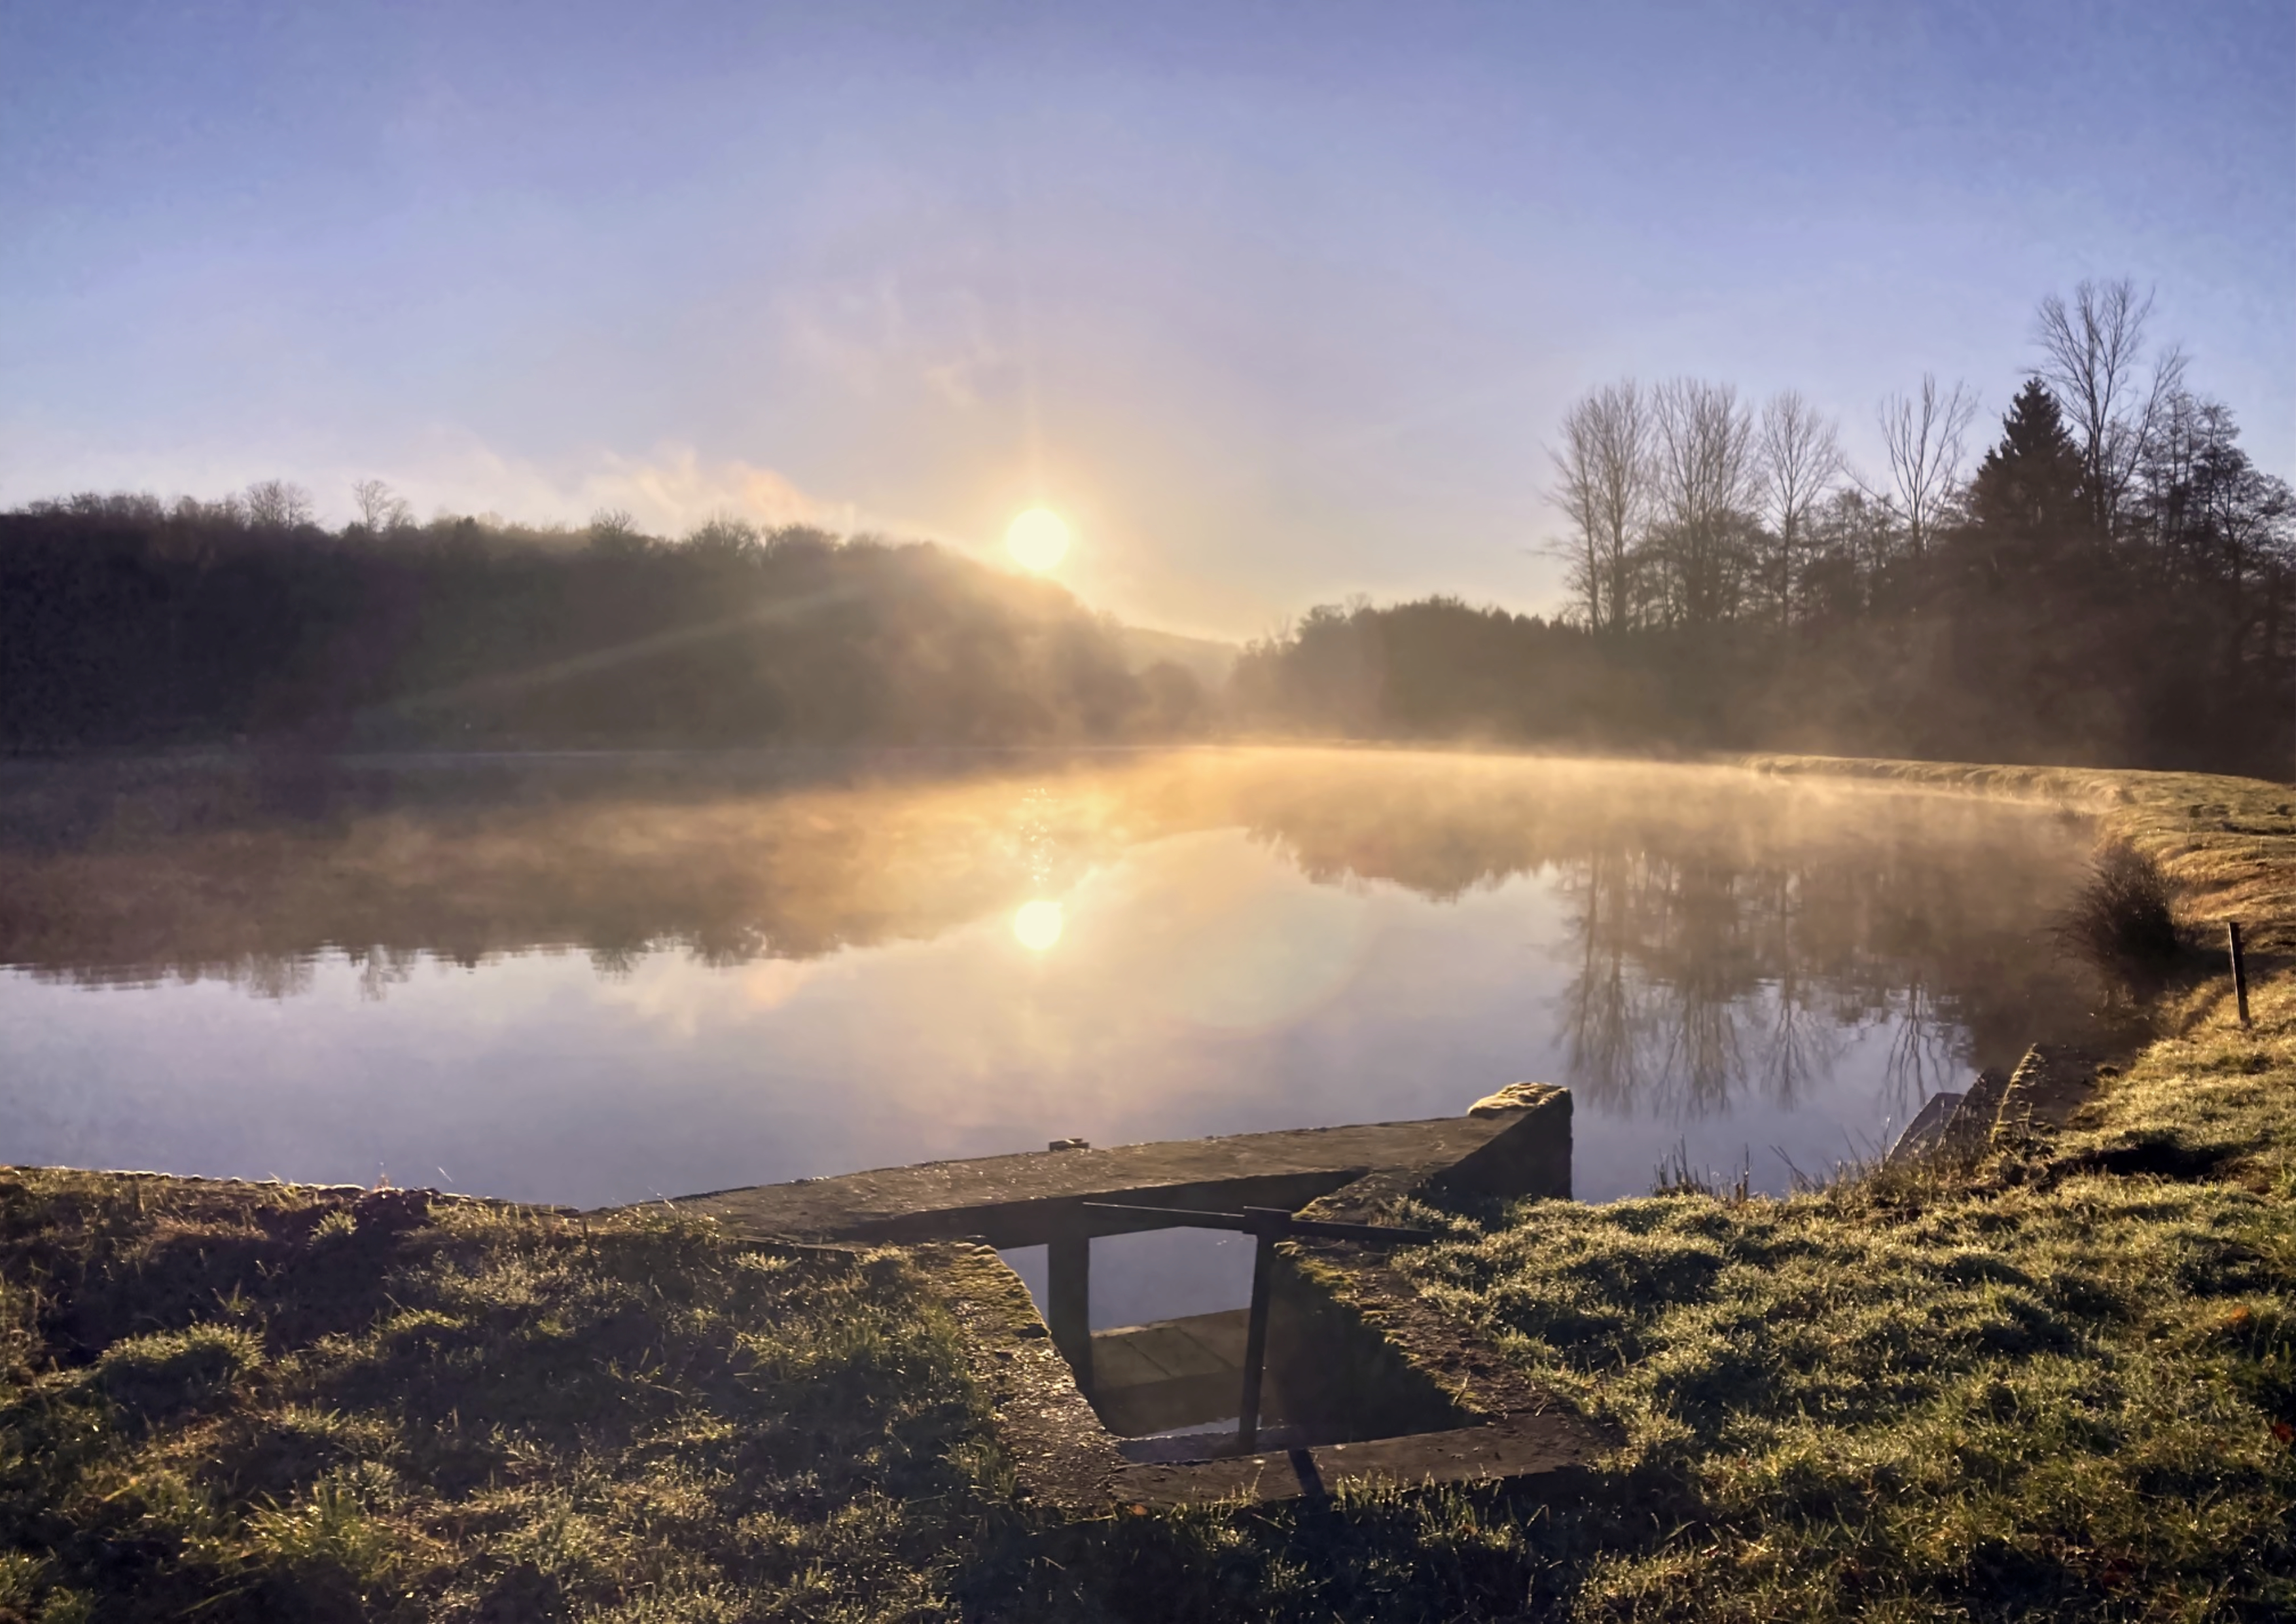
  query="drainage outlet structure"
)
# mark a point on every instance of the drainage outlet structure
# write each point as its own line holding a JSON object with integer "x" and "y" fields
{"x": 1337, "y": 1372}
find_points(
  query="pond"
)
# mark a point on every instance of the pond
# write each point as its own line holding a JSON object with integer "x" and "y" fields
{"x": 595, "y": 980}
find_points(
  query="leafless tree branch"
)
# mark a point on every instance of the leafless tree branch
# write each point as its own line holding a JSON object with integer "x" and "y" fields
{"x": 1603, "y": 478}
{"x": 1924, "y": 436}
{"x": 1707, "y": 487}
{"x": 275, "y": 505}
{"x": 2092, "y": 358}
{"x": 1800, "y": 457}
{"x": 378, "y": 507}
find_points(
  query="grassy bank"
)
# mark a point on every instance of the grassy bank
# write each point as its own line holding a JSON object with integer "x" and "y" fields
{"x": 2060, "y": 1382}
{"x": 235, "y": 1401}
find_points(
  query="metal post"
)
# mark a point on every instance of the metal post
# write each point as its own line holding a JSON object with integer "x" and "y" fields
{"x": 1255, "y": 1340}
{"x": 2239, "y": 969}
{"x": 1068, "y": 1298}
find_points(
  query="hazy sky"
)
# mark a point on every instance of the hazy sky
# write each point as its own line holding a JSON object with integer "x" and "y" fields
{"x": 1276, "y": 302}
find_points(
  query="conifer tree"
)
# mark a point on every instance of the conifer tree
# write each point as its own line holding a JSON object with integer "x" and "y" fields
{"x": 2029, "y": 503}
{"x": 2031, "y": 481}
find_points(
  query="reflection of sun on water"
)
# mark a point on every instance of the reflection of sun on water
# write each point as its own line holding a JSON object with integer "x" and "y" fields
{"x": 1038, "y": 539}
{"x": 1037, "y": 925}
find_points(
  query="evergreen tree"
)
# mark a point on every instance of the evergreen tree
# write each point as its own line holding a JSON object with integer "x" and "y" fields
{"x": 2029, "y": 503}
{"x": 2031, "y": 603}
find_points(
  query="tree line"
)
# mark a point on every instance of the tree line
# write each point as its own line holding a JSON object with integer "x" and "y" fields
{"x": 128, "y": 623}
{"x": 2110, "y": 581}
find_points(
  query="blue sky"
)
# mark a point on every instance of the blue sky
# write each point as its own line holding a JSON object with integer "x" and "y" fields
{"x": 1276, "y": 302}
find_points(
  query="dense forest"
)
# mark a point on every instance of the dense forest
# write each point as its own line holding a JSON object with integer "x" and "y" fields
{"x": 126, "y": 623}
{"x": 2111, "y": 580}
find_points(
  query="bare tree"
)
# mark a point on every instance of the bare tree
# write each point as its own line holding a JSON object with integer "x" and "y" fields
{"x": 725, "y": 536}
{"x": 1801, "y": 454}
{"x": 1852, "y": 534}
{"x": 2219, "y": 523}
{"x": 1707, "y": 487}
{"x": 612, "y": 530}
{"x": 2093, "y": 359}
{"x": 275, "y": 505}
{"x": 1925, "y": 437}
{"x": 1602, "y": 483}
{"x": 380, "y": 508}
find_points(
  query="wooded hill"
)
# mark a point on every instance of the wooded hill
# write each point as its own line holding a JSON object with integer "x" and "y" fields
{"x": 124, "y": 623}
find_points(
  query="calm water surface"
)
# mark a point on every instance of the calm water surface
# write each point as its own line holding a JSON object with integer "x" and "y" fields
{"x": 594, "y": 980}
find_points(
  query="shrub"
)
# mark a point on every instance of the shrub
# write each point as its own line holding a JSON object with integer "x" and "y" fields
{"x": 2123, "y": 920}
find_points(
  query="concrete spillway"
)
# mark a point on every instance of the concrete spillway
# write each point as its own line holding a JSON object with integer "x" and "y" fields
{"x": 1363, "y": 1379}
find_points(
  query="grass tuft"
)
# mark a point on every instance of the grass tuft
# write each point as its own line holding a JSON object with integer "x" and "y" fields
{"x": 169, "y": 1370}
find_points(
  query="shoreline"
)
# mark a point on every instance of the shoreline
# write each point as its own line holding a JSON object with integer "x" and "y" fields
{"x": 2059, "y": 1381}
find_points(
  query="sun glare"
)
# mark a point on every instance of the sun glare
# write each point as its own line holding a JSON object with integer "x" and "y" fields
{"x": 1038, "y": 539}
{"x": 1037, "y": 926}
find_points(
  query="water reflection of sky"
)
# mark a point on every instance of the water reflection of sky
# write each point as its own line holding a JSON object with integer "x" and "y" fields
{"x": 1751, "y": 972}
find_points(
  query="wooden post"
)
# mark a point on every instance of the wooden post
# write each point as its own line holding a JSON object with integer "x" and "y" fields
{"x": 1255, "y": 1340}
{"x": 2239, "y": 969}
{"x": 1068, "y": 1298}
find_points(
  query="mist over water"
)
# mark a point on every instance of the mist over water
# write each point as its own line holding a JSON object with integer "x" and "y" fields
{"x": 602, "y": 980}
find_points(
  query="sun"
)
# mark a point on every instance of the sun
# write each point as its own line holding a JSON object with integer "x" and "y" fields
{"x": 1037, "y": 926}
{"x": 1038, "y": 539}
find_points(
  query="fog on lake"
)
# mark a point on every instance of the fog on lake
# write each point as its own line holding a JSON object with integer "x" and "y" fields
{"x": 593, "y": 979}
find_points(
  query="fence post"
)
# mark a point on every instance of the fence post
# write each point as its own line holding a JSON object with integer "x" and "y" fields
{"x": 2239, "y": 969}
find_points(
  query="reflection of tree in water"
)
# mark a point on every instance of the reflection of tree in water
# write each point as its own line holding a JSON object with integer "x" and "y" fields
{"x": 1725, "y": 933}
{"x": 1666, "y": 975}
{"x": 380, "y": 969}
{"x": 1705, "y": 965}
{"x": 1926, "y": 1050}
{"x": 619, "y": 961}
{"x": 121, "y": 874}
{"x": 1601, "y": 1006}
